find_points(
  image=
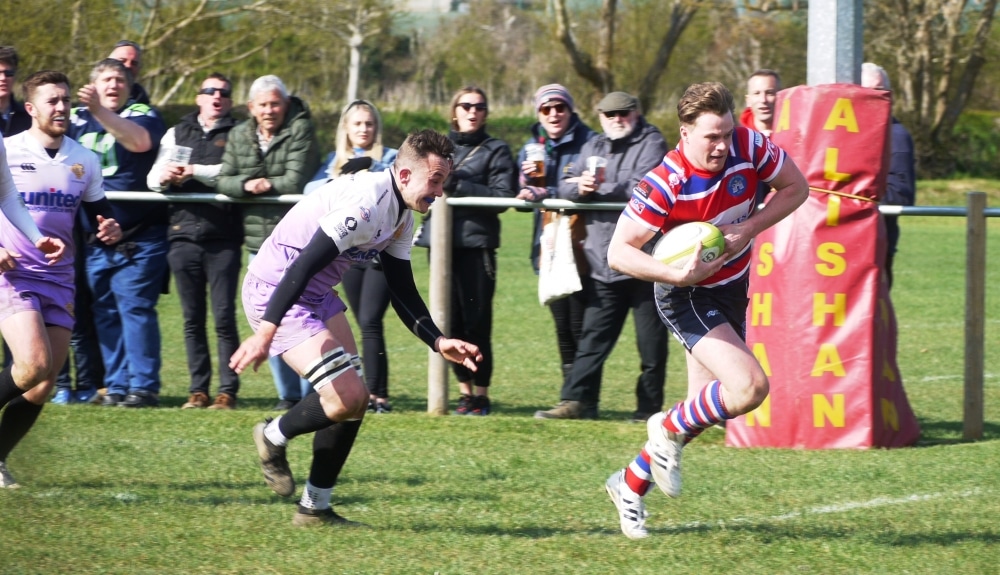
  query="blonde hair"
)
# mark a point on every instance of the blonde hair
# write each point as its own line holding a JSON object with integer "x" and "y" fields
{"x": 345, "y": 151}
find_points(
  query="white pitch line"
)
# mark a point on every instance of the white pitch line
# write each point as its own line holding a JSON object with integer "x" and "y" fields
{"x": 956, "y": 377}
{"x": 822, "y": 510}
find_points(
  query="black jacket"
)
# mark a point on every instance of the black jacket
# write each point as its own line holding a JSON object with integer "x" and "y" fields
{"x": 196, "y": 222}
{"x": 18, "y": 121}
{"x": 483, "y": 167}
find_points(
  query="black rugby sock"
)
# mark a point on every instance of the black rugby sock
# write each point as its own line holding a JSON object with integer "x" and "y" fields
{"x": 331, "y": 446}
{"x": 306, "y": 417}
{"x": 17, "y": 420}
{"x": 8, "y": 390}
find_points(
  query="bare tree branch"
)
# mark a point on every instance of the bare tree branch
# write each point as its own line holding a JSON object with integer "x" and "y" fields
{"x": 583, "y": 63}
{"x": 190, "y": 68}
{"x": 680, "y": 17}
{"x": 198, "y": 15}
{"x": 976, "y": 60}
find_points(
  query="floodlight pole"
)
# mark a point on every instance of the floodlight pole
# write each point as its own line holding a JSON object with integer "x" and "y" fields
{"x": 834, "y": 52}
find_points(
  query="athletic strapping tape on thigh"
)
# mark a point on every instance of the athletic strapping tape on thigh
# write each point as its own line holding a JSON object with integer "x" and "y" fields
{"x": 329, "y": 367}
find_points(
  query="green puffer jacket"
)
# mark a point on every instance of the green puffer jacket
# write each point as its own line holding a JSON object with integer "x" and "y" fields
{"x": 291, "y": 160}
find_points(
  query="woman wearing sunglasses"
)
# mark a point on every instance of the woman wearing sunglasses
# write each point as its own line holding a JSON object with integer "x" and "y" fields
{"x": 561, "y": 133}
{"x": 360, "y": 149}
{"x": 482, "y": 167}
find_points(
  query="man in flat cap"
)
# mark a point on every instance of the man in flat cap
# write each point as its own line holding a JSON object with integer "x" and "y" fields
{"x": 629, "y": 147}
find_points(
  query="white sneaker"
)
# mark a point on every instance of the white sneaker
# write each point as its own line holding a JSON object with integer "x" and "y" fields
{"x": 631, "y": 508}
{"x": 665, "y": 449}
{"x": 6, "y": 479}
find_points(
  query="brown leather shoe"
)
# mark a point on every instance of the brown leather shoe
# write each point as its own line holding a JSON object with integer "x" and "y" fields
{"x": 224, "y": 401}
{"x": 197, "y": 400}
{"x": 568, "y": 409}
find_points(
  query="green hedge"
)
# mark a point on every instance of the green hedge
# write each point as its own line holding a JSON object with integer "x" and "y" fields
{"x": 977, "y": 145}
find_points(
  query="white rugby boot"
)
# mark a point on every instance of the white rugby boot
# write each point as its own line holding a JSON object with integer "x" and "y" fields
{"x": 665, "y": 449}
{"x": 631, "y": 508}
{"x": 6, "y": 479}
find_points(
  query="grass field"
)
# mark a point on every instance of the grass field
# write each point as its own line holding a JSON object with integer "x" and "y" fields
{"x": 171, "y": 491}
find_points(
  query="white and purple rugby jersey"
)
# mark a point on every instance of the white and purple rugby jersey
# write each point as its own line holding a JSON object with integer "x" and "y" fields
{"x": 362, "y": 214}
{"x": 52, "y": 189}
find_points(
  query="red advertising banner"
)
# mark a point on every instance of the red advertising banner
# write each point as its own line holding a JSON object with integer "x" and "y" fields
{"x": 820, "y": 319}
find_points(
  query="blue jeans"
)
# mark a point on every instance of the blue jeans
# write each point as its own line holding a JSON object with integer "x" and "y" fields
{"x": 85, "y": 349}
{"x": 126, "y": 284}
{"x": 288, "y": 383}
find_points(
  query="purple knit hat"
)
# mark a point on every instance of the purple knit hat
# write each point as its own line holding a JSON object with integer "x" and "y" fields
{"x": 550, "y": 92}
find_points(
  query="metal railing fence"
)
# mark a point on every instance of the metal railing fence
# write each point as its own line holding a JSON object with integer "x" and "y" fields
{"x": 975, "y": 213}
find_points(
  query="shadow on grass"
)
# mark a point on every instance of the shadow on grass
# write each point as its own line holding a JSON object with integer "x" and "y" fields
{"x": 769, "y": 533}
{"x": 935, "y": 432}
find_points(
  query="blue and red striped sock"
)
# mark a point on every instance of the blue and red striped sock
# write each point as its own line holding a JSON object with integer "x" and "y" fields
{"x": 692, "y": 416}
{"x": 637, "y": 474}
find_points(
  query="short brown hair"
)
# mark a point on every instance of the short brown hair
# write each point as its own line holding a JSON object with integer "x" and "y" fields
{"x": 41, "y": 78}
{"x": 704, "y": 98}
{"x": 767, "y": 72}
{"x": 419, "y": 145}
{"x": 111, "y": 64}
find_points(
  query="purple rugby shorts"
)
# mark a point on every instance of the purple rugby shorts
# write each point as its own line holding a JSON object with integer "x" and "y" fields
{"x": 306, "y": 318}
{"x": 53, "y": 300}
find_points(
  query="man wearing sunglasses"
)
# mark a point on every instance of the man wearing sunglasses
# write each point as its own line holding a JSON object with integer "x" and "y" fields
{"x": 631, "y": 147}
{"x": 13, "y": 118}
{"x": 205, "y": 238}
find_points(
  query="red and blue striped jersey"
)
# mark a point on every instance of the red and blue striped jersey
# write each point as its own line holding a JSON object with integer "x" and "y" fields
{"x": 675, "y": 192}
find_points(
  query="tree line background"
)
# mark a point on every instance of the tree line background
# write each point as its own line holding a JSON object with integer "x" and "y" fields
{"x": 941, "y": 56}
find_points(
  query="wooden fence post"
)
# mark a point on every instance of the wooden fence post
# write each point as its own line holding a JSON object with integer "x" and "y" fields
{"x": 440, "y": 303}
{"x": 975, "y": 315}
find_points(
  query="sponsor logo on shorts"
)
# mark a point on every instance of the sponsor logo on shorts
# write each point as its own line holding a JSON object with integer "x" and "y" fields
{"x": 737, "y": 185}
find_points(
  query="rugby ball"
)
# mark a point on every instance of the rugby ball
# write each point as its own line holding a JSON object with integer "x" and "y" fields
{"x": 676, "y": 247}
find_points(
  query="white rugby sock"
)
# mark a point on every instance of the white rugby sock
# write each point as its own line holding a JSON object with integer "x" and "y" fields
{"x": 315, "y": 498}
{"x": 273, "y": 434}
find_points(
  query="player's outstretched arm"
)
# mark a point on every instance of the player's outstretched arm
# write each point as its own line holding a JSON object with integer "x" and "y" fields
{"x": 412, "y": 310}
{"x": 254, "y": 349}
{"x": 461, "y": 352}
